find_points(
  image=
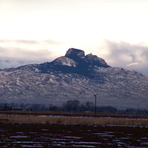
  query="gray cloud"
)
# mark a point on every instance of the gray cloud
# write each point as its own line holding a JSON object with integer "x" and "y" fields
{"x": 6, "y": 62}
{"x": 19, "y": 41}
{"x": 11, "y": 62}
{"x": 129, "y": 56}
{"x": 31, "y": 41}
{"x": 14, "y": 62}
{"x": 14, "y": 57}
{"x": 14, "y": 53}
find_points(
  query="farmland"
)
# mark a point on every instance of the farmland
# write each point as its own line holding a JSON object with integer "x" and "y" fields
{"x": 44, "y": 129}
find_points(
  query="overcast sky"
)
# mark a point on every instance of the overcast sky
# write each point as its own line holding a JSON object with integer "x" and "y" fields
{"x": 34, "y": 31}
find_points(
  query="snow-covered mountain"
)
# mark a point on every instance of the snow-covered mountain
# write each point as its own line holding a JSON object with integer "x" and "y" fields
{"x": 74, "y": 76}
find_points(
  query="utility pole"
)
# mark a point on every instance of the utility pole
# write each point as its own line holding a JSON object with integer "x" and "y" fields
{"x": 95, "y": 103}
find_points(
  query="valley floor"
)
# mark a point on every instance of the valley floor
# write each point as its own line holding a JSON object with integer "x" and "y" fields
{"x": 74, "y": 118}
{"x": 35, "y": 135}
{"x": 70, "y": 130}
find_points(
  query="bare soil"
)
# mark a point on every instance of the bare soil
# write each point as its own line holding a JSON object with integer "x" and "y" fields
{"x": 18, "y": 135}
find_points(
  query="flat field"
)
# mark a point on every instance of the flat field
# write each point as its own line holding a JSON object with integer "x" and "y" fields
{"x": 18, "y": 135}
{"x": 74, "y": 118}
{"x": 70, "y": 130}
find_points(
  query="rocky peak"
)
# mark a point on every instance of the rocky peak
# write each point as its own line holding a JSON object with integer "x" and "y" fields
{"x": 95, "y": 61}
{"x": 74, "y": 53}
{"x": 64, "y": 61}
{"x": 79, "y": 57}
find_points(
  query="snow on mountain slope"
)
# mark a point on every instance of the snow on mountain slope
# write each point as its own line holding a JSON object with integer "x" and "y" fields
{"x": 64, "y": 61}
{"x": 74, "y": 76}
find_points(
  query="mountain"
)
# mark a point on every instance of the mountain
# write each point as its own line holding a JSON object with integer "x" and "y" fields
{"x": 74, "y": 76}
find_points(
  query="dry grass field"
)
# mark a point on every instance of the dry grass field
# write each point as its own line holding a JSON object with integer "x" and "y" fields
{"x": 73, "y": 118}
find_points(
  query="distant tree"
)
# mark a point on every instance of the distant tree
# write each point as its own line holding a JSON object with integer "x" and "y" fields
{"x": 108, "y": 109}
{"x": 71, "y": 105}
{"x": 38, "y": 107}
{"x": 7, "y": 107}
{"x": 53, "y": 108}
{"x": 89, "y": 106}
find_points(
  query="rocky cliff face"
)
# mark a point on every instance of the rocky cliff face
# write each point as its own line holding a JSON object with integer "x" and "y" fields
{"x": 75, "y": 53}
{"x": 74, "y": 76}
{"x": 87, "y": 61}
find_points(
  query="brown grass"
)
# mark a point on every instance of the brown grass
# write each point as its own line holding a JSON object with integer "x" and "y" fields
{"x": 72, "y": 120}
{"x": 75, "y": 114}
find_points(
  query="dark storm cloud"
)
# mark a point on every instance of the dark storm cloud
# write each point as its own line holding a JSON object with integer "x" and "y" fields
{"x": 130, "y": 56}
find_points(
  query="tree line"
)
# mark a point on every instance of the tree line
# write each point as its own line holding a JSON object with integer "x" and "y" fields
{"x": 69, "y": 106}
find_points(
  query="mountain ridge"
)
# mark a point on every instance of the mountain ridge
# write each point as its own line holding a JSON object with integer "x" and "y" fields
{"x": 74, "y": 76}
